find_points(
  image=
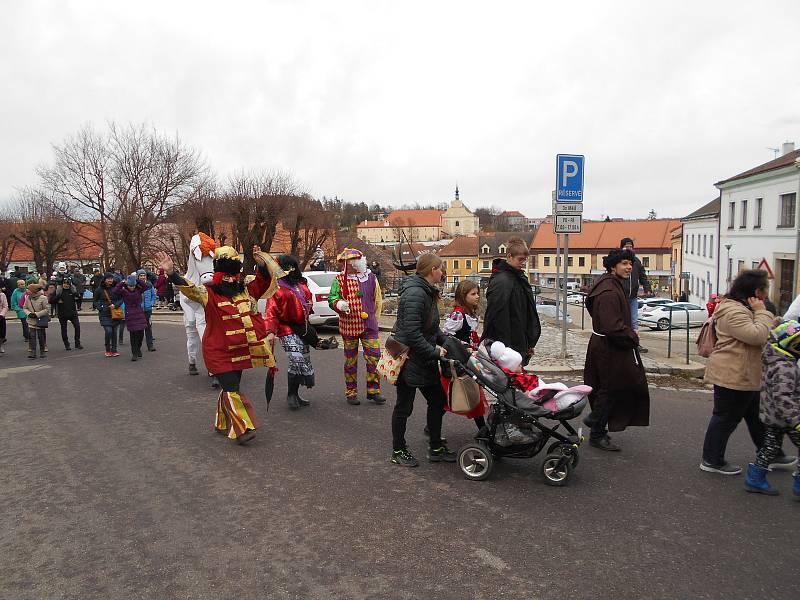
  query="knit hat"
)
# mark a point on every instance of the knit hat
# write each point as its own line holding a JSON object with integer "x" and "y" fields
{"x": 615, "y": 257}
{"x": 624, "y": 241}
{"x": 787, "y": 337}
{"x": 31, "y": 279}
{"x": 141, "y": 272}
{"x": 109, "y": 275}
{"x": 506, "y": 357}
{"x": 131, "y": 280}
{"x": 34, "y": 287}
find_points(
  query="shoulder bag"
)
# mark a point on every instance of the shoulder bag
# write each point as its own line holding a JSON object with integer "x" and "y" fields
{"x": 465, "y": 394}
{"x": 116, "y": 312}
{"x": 306, "y": 332}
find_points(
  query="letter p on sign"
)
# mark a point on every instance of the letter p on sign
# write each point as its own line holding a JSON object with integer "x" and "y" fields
{"x": 570, "y": 170}
{"x": 569, "y": 177}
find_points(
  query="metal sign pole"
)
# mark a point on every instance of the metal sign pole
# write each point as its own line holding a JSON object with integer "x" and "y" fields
{"x": 558, "y": 270}
{"x": 564, "y": 305}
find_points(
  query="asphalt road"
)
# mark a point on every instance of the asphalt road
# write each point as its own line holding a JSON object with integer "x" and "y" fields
{"x": 115, "y": 486}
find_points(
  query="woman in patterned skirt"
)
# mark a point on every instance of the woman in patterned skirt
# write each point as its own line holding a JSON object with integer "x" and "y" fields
{"x": 286, "y": 317}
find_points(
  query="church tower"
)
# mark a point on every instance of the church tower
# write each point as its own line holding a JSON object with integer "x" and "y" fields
{"x": 456, "y": 201}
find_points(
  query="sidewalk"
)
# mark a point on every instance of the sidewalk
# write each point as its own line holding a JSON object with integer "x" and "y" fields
{"x": 548, "y": 353}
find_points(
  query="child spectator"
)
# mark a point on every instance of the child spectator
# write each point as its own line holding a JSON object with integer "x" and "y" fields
{"x": 462, "y": 324}
{"x": 37, "y": 311}
{"x": 779, "y": 407}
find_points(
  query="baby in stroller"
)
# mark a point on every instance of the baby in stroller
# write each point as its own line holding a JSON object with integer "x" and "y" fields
{"x": 553, "y": 397}
{"x": 515, "y": 424}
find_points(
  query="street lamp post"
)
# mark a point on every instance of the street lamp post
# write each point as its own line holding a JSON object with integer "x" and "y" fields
{"x": 728, "y": 264}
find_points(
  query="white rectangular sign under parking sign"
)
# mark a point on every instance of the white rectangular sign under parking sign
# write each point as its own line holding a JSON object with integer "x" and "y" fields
{"x": 568, "y": 224}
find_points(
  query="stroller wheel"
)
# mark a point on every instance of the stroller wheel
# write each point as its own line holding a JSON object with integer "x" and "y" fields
{"x": 476, "y": 461}
{"x": 554, "y": 472}
{"x": 560, "y": 448}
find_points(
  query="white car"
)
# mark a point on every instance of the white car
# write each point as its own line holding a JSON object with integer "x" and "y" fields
{"x": 659, "y": 316}
{"x": 576, "y": 299}
{"x": 651, "y": 302}
{"x": 319, "y": 284}
{"x": 549, "y": 310}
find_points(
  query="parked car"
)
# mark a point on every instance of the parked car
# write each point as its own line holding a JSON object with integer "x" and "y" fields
{"x": 575, "y": 299}
{"x": 319, "y": 284}
{"x": 650, "y": 302}
{"x": 659, "y": 316}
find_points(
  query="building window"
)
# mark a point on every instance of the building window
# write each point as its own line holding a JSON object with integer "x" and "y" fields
{"x": 686, "y": 245}
{"x": 455, "y": 279}
{"x": 787, "y": 215}
{"x": 547, "y": 262}
{"x": 469, "y": 264}
{"x": 757, "y": 216}
{"x": 743, "y": 224}
{"x": 692, "y": 243}
{"x": 486, "y": 265}
{"x": 502, "y": 249}
{"x": 569, "y": 261}
{"x": 457, "y": 225}
{"x": 485, "y": 249}
{"x": 646, "y": 262}
{"x": 731, "y": 214}
{"x": 455, "y": 264}
{"x": 711, "y": 247}
{"x": 740, "y": 266}
{"x": 582, "y": 261}
{"x": 705, "y": 237}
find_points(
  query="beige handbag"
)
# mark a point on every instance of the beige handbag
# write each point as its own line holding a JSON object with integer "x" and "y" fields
{"x": 465, "y": 393}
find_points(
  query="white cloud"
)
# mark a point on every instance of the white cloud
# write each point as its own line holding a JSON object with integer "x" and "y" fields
{"x": 394, "y": 102}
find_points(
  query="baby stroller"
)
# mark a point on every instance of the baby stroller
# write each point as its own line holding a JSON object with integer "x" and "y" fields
{"x": 509, "y": 405}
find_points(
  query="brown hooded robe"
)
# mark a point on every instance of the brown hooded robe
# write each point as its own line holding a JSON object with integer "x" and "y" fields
{"x": 613, "y": 365}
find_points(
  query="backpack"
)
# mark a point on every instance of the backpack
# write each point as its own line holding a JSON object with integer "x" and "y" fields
{"x": 707, "y": 338}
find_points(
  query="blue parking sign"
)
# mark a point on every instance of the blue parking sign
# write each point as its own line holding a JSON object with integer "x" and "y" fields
{"x": 569, "y": 177}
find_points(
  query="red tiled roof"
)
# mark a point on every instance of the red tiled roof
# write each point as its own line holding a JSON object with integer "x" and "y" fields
{"x": 408, "y": 218}
{"x": 83, "y": 245}
{"x": 461, "y": 246}
{"x": 653, "y": 234}
{"x": 786, "y": 160}
{"x": 512, "y": 213}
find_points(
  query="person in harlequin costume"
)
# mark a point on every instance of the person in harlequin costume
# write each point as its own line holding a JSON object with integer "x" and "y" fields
{"x": 235, "y": 336}
{"x": 356, "y": 296}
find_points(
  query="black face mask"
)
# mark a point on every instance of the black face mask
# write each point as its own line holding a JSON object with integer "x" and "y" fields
{"x": 228, "y": 288}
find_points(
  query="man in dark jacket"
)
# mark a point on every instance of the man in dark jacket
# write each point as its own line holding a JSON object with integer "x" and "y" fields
{"x": 64, "y": 299}
{"x": 638, "y": 277}
{"x": 511, "y": 315}
{"x": 620, "y": 397}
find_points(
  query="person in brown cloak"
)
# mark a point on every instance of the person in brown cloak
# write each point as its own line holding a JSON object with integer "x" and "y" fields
{"x": 620, "y": 396}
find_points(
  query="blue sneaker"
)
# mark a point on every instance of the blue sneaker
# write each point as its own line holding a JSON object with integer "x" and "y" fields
{"x": 796, "y": 488}
{"x": 756, "y": 481}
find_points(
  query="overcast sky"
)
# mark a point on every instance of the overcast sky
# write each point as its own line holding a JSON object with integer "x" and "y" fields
{"x": 395, "y": 102}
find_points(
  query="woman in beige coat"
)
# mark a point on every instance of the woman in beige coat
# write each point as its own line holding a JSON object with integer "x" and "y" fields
{"x": 742, "y": 325}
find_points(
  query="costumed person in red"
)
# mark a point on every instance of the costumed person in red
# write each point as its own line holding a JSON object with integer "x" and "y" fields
{"x": 235, "y": 337}
{"x": 713, "y": 300}
{"x": 462, "y": 324}
{"x": 287, "y": 318}
{"x": 356, "y": 296}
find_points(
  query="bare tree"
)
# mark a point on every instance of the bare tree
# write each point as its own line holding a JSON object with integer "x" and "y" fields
{"x": 7, "y": 241}
{"x": 41, "y": 228}
{"x": 309, "y": 225}
{"x": 122, "y": 184}
{"x": 255, "y": 203}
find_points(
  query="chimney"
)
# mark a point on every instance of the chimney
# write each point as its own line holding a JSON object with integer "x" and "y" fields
{"x": 786, "y": 148}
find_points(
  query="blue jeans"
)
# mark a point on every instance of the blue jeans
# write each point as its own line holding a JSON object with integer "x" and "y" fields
{"x": 634, "y": 302}
{"x": 111, "y": 336}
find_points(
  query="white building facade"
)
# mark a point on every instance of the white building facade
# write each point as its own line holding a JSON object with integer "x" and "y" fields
{"x": 700, "y": 253}
{"x": 759, "y": 224}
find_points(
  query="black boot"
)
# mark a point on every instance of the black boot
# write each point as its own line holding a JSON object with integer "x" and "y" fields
{"x": 292, "y": 399}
